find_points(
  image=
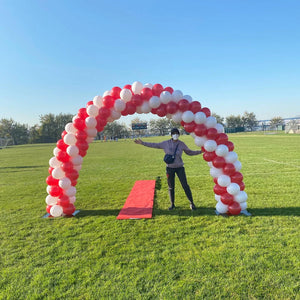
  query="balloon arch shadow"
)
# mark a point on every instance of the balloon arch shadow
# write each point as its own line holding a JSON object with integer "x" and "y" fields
{"x": 218, "y": 151}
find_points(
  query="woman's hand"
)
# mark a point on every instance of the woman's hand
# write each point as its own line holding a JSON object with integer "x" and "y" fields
{"x": 138, "y": 141}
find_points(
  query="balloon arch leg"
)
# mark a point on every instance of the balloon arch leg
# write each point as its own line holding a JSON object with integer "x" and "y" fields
{"x": 197, "y": 120}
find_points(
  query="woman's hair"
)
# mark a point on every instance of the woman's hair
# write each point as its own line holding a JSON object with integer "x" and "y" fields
{"x": 174, "y": 131}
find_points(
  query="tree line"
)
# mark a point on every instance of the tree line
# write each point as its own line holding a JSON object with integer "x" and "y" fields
{"x": 51, "y": 126}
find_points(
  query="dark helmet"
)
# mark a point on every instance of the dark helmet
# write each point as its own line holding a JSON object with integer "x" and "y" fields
{"x": 174, "y": 131}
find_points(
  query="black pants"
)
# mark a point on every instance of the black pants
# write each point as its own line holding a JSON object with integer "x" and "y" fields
{"x": 182, "y": 178}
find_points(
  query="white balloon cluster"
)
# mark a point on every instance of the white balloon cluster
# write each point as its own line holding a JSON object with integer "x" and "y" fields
{"x": 140, "y": 98}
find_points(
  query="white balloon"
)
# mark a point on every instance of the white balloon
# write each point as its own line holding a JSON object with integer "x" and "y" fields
{"x": 148, "y": 85}
{"x": 71, "y": 191}
{"x": 231, "y": 157}
{"x": 188, "y": 98}
{"x": 73, "y": 150}
{"x": 58, "y": 173}
{"x": 220, "y": 128}
{"x": 72, "y": 199}
{"x": 69, "y": 128}
{"x": 238, "y": 165}
{"x": 221, "y": 208}
{"x": 56, "y": 211}
{"x": 138, "y": 110}
{"x": 241, "y": 197}
{"x": 70, "y": 139}
{"x": 126, "y": 95}
{"x": 77, "y": 160}
{"x": 217, "y": 197}
{"x": 224, "y": 180}
{"x": 90, "y": 122}
{"x": 222, "y": 150}
{"x": 200, "y": 141}
{"x": 215, "y": 172}
{"x": 74, "y": 118}
{"x": 210, "y": 122}
{"x": 137, "y": 87}
{"x": 91, "y": 132}
{"x": 243, "y": 205}
{"x": 200, "y": 117}
{"x": 210, "y": 145}
{"x": 54, "y": 162}
{"x": 177, "y": 95}
{"x": 233, "y": 188}
{"x": 50, "y": 200}
{"x": 97, "y": 101}
{"x": 90, "y": 139}
{"x": 106, "y": 93}
{"x": 177, "y": 117}
{"x": 154, "y": 102}
{"x": 64, "y": 183}
{"x": 119, "y": 105}
{"x": 188, "y": 116}
{"x": 169, "y": 116}
{"x": 115, "y": 114}
{"x": 48, "y": 189}
{"x": 165, "y": 97}
{"x": 55, "y": 151}
{"x": 210, "y": 164}
{"x": 77, "y": 167}
{"x": 92, "y": 110}
{"x": 145, "y": 107}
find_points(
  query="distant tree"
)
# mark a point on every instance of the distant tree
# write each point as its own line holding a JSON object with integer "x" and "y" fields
{"x": 249, "y": 120}
{"x": 276, "y": 121}
{"x": 219, "y": 119}
{"x": 234, "y": 121}
{"x": 161, "y": 126}
{"x": 116, "y": 130}
{"x": 34, "y": 134}
{"x": 11, "y": 129}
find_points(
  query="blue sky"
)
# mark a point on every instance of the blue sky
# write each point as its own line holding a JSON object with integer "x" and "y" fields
{"x": 232, "y": 56}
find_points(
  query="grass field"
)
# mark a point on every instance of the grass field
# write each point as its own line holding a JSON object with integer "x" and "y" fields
{"x": 181, "y": 254}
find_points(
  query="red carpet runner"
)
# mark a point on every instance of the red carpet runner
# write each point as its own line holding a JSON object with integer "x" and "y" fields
{"x": 139, "y": 203}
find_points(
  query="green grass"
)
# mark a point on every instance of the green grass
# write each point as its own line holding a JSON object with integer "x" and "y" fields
{"x": 175, "y": 255}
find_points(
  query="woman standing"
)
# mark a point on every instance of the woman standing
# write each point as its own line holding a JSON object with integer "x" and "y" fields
{"x": 176, "y": 167}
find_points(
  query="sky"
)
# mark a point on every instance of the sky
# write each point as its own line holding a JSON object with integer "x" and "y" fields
{"x": 230, "y": 55}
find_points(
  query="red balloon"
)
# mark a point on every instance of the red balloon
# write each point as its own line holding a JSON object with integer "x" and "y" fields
{"x": 237, "y": 177}
{"x": 242, "y": 185}
{"x": 48, "y": 207}
{"x": 227, "y": 198}
{"x": 69, "y": 210}
{"x": 104, "y": 113}
{"x": 82, "y": 114}
{"x": 62, "y": 156}
{"x": 67, "y": 166}
{"x": 51, "y": 181}
{"x": 183, "y": 105}
{"x": 200, "y": 130}
{"x": 55, "y": 191}
{"x": 81, "y": 135}
{"x": 206, "y": 111}
{"x": 230, "y": 146}
{"x": 146, "y": 93}
{"x": 108, "y": 101}
{"x": 234, "y": 208}
{"x": 189, "y": 127}
{"x": 154, "y": 111}
{"x": 89, "y": 103}
{"x": 212, "y": 133}
{"x": 219, "y": 190}
{"x": 137, "y": 100}
{"x": 63, "y": 200}
{"x": 61, "y": 145}
{"x": 157, "y": 89}
{"x": 79, "y": 124}
{"x": 222, "y": 139}
{"x": 169, "y": 89}
{"x": 82, "y": 145}
{"x": 115, "y": 92}
{"x": 82, "y": 153}
{"x": 209, "y": 156}
{"x": 229, "y": 169}
{"x": 130, "y": 108}
{"x": 50, "y": 169}
{"x": 216, "y": 180}
{"x": 195, "y": 106}
{"x": 172, "y": 107}
{"x": 63, "y": 134}
{"x": 101, "y": 121}
{"x": 128, "y": 87}
{"x": 162, "y": 110}
{"x": 72, "y": 175}
{"x": 219, "y": 162}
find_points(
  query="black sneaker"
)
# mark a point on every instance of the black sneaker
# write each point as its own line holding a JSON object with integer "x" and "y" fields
{"x": 171, "y": 207}
{"x": 192, "y": 206}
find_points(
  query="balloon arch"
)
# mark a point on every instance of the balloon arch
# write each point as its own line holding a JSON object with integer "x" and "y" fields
{"x": 197, "y": 120}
